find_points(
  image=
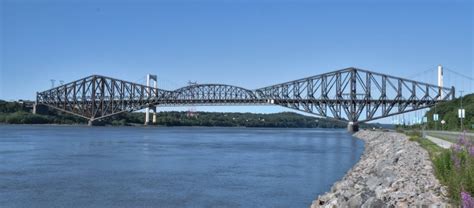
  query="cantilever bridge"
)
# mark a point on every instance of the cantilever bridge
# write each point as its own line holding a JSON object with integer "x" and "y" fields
{"x": 350, "y": 94}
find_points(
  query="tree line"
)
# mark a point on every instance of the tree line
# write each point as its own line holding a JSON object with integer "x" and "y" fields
{"x": 448, "y": 111}
{"x": 18, "y": 113}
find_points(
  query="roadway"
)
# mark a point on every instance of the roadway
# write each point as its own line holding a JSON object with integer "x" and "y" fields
{"x": 440, "y": 142}
{"x": 451, "y": 136}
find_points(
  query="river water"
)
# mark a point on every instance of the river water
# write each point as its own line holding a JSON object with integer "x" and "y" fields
{"x": 69, "y": 166}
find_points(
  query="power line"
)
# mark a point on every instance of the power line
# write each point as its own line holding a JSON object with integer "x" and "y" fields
{"x": 52, "y": 82}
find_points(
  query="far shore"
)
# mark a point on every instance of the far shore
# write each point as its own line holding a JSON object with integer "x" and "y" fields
{"x": 163, "y": 126}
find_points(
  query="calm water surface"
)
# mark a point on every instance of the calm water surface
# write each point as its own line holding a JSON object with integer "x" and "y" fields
{"x": 59, "y": 166}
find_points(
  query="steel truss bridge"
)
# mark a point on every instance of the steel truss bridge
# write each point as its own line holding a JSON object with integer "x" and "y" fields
{"x": 350, "y": 94}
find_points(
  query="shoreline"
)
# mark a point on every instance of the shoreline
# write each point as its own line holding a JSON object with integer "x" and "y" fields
{"x": 392, "y": 171}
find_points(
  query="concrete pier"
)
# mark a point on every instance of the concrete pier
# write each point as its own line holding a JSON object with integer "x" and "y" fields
{"x": 39, "y": 109}
{"x": 147, "y": 115}
{"x": 352, "y": 127}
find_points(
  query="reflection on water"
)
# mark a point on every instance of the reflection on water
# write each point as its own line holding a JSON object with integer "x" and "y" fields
{"x": 59, "y": 166}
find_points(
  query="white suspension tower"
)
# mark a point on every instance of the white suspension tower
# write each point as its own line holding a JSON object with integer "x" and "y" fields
{"x": 147, "y": 110}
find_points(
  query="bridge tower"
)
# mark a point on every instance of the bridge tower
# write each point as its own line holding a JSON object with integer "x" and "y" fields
{"x": 150, "y": 77}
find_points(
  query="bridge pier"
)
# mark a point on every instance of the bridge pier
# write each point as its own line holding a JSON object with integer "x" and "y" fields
{"x": 39, "y": 109}
{"x": 90, "y": 122}
{"x": 147, "y": 115}
{"x": 154, "y": 115}
{"x": 353, "y": 127}
{"x": 35, "y": 108}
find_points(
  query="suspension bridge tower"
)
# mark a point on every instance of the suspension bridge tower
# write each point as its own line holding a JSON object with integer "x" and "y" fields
{"x": 149, "y": 78}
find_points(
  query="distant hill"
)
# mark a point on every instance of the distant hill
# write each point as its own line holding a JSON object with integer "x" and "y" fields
{"x": 448, "y": 111}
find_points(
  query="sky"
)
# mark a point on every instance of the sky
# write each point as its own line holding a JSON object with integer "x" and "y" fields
{"x": 251, "y": 44}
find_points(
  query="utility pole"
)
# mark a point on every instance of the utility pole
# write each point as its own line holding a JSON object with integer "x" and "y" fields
{"x": 52, "y": 82}
{"x": 424, "y": 121}
{"x": 440, "y": 94}
{"x": 461, "y": 112}
{"x": 435, "y": 118}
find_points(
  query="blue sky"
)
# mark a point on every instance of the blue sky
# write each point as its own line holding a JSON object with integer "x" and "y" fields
{"x": 245, "y": 43}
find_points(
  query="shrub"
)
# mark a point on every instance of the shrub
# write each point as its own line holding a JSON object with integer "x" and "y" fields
{"x": 455, "y": 169}
{"x": 121, "y": 122}
{"x": 26, "y": 118}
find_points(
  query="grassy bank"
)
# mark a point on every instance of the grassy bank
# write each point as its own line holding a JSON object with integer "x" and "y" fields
{"x": 453, "y": 167}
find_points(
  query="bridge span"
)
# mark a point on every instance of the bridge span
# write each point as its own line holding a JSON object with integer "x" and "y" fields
{"x": 350, "y": 94}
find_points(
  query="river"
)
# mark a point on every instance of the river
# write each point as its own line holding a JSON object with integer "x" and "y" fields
{"x": 75, "y": 166}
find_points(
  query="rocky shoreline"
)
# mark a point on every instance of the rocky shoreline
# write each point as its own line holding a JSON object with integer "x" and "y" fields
{"x": 392, "y": 172}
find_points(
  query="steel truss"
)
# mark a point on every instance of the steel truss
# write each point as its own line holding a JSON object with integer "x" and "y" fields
{"x": 96, "y": 97}
{"x": 349, "y": 94}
